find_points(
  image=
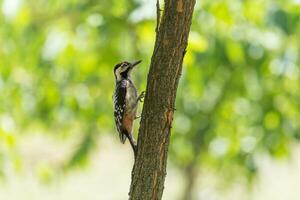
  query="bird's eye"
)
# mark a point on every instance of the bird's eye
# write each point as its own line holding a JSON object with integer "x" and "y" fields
{"x": 125, "y": 65}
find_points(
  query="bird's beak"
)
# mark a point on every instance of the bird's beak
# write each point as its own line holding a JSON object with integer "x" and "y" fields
{"x": 135, "y": 63}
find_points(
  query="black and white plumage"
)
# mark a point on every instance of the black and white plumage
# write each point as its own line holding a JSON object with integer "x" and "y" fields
{"x": 119, "y": 107}
{"x": 125, "y": 101}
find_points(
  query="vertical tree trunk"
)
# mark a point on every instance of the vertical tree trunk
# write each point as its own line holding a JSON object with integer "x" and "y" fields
{"x": 149, "y": 171}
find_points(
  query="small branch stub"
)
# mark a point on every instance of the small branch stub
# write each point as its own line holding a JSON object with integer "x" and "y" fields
{"x": 157, "y": 16}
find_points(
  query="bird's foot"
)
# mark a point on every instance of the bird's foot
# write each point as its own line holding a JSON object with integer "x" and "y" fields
{"x": 141, "y": 96}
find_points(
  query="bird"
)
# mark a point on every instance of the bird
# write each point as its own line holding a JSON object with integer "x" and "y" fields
{"x": 126, "y": 100}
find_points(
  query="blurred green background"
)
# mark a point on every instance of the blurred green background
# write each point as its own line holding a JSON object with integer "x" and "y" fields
{"x": 237, "y": 120}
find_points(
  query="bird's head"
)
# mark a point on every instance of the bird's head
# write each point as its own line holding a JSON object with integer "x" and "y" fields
{"x": 123, "y": 69}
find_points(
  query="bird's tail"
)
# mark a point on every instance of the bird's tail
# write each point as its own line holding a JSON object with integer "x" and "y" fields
{"x": 122, "y": 136}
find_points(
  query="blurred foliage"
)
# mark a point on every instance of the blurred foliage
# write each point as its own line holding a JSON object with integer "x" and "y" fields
{"x": 239, "y": 93}
{"x": 238, "y": 96}
{"x": 56, "y": 66}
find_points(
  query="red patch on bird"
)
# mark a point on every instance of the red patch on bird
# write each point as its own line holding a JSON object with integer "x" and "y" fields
{"x": 128, "y": 122}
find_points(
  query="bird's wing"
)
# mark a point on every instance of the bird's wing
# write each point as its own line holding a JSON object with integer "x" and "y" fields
{"x": 119, "y": 108}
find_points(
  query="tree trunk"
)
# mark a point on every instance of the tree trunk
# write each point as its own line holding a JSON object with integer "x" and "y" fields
{"x": 149, "y": 171}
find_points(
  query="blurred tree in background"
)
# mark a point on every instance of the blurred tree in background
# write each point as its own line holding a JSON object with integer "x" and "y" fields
{"x": 238, "y": 96}
{"x": 240, "y": 91}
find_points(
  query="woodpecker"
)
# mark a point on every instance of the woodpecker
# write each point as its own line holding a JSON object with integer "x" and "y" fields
{"x": 125, "y": 101}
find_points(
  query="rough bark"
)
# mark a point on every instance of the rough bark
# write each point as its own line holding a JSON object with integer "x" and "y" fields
{"x": 149, "y": 171}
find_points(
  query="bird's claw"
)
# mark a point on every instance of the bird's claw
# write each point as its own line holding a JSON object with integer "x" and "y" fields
{"x": 142, "y": 96}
